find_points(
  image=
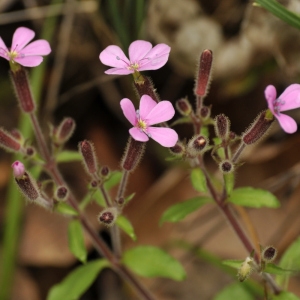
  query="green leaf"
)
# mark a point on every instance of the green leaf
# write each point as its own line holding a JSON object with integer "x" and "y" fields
{"x": 250, "y": 197}
{"x": 234, "y": 291}
{"x": 198, "y": 180}
{"x": 182, "y": 120}
{"x": 233, "y": 263}
{"x": 128, "y": 198}
{"x": 78, "y": 281}
{"x": 76, "y": 240}
{"x": 113, "y": 180}
{"x": 281, "y": 12}
{"x": 285, "y": 296}
{"x": 229, "y": 182}
{"x": 66, "y": 209}
{"x": 98, "y": 197}
{"x": 126, "y": 226}
{"x": 67, "y": 156}
{"x": 150, "y": 261}
{"x": 290, "y": 261}
{"x": 180, "y": 210}
{"x": 274, "y": 269}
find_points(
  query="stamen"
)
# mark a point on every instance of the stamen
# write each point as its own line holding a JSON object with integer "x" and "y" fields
{"x": 277, "y": 103}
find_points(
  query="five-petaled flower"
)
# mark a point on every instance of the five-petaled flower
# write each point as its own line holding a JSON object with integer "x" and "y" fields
{"x": 141, "y": 57}
{"x": 288, "y": 100}
{"x": 27, "y": 55}
{"x": 150, "y": 113}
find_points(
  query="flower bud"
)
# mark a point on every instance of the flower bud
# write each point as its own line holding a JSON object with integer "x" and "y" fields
{"x": 269, "y": 254}
{"x": 22, "y": 87}
{"x": 64, "y": 131}
{"x": 133, "y": 154}
{"x": 205, "y": 112}
{"x": 89, "y": 157}
{"x": 184, "y": 107}
{"x": 202, "y": 80}
{"x": 30, "y": 151}
{"x": 226, "y": 166}
{"x": 26, "y": 184}
{"x": 108, "y": 216}
{"x": 232, "y": 135}
{"x": 197, "y": 145}
{"x": 61, "y": 193}
{"x": 222, "y": 125}
{"x": 120, "y": 201}
{"x": 259, "y": 127}
{"x": 8, "y": 141}
{"x": 178, "y": 149}
{"x": 245, "y": 269}
{"x": 104, "y": 171}
{"x": 94, "y": 184}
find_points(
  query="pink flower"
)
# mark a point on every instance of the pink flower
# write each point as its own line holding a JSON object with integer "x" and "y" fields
{"x": 150, "y": 113}
{"x": 18, "y": 169}
{"x": 27, "y": 55}
{"x": 141, "y": 57}
{"x": 288, "y": 100}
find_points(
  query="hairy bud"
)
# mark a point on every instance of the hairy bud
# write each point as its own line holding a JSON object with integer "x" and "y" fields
{"x": 178, "y": 149}
{"x": 61, "y": 193}
{"x": 245, "y": 269}
{"x": 108, "y": 216}
{"x": 8, "y": 141}
{"x": 64, "y": 131}
{"x": 184, "y": 107}
{"x": 268, "y": 254}
{"x": 226, "y": 166}
{"x": 104, "y": 171}
{"x": 197, "y": 145}
{"x": 205, "y": 112}
{"x": 87, "y": 151}
{"x": 222, "y": 125}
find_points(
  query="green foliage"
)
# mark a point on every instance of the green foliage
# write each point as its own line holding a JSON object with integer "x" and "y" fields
{"x": 151, "y": 261}
{"x": 113, "y": 180}
{"x": 285, "y": 296}
{"x": 66, "y": 209}
{"x": 234, "y": 291}
{"x": 250, "y": 197}
{"x": 68, "y": 156}
{"x": 233, "y": 263}
{"x": 281, "y": 12}
{"x": 198, "y": 180}
{"x": 290, "y": 261}
{"x": 180, "y": 210}
{"x": 76, "y": 240}
{"x": 78, "y": 281}
{"x": 273, "y": 269}
{"x": 126, "y": 226}
{"x": 229, "y": 182}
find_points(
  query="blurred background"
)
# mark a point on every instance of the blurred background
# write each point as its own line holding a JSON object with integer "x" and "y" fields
{"x": 251, "y": 49}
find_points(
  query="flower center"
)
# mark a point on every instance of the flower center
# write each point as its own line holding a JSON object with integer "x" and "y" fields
{"x": 134, "y": 67}
{"x": 142, "y": 125}
{"x": 277, "y": 105}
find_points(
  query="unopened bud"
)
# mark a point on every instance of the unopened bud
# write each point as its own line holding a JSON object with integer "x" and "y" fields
{"x": 108, "y": 216}
{"x": 64, "y": 131}
{"x": 133, "y": 154}
{"x": 8, "y": 141}
{"x": 120, "y": 201}
{"x": 259, "y": 127}
{"x": 94, "y": 183}
{"x": 222, "y": 125}
{"x": 178, "y": 149}
{"x": 202, "y": 80}
{"x": 232, "y": 135}
{"x": 30, "y": 151}
{"x": 61, "y": 193}
{"x": 104, "y": 171}
{"x": 226, "y": 166}
{"x": 22, "y": 87}
{"x": 184, "y": 107}
{"x": 17, "y": 134}
{"x": 245, "y": 269}
{"x": 205, "y": 112}
{"x": 197, "y": 145}
{"x": 269, "y": 254}
{"x": 26, "y": 184}
{"x": 89, "y": 158}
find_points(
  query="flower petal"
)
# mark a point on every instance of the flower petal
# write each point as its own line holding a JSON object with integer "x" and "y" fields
{"x": 156, "y": 58}
{"x": 167, "y": 137}
{"x": 128, "y": 110}
{"x": 21, "y": 38}
{"x": 39, "y": 47}
{"x": 287, "y": 123}
{"x": 270, "y": 95}
{"x": 163, "y": 111}
{"x": 113, "y": 56}
{"x": 290, "y": 97}
{"x": 138, "y": 50}
{"x": 3, "y": 49}
{"x": 138, "y": 135}
{"x": 118, "y": 71}
{"x": 146, "y": 105}
{"x": 29, "y": 61}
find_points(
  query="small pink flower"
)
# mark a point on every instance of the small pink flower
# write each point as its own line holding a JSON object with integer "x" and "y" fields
{"x": 289, "y": 99}
{"x": 141, "y": 57}
{"x": 150, "y": 113}
{"x": 27, "y": 55}
{"x": 18, "y": 169}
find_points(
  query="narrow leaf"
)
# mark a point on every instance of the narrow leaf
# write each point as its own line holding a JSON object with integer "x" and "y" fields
{"x": 236, "y": 264}
{"x": 180, "y": 210}
{"x": 273, "y": 269}
{"x": 64, "y": 208}
{"x": 198, "y": 180}
{"x": 250, "y": 197}
{"x": 78, "y": 281}
{"x": 126, "y": 226}
{"x": 76, "y": 240}
{"x": 67, "y": 156}
{"x": 150, "y": 261}
{"x": 234, "y": 291}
